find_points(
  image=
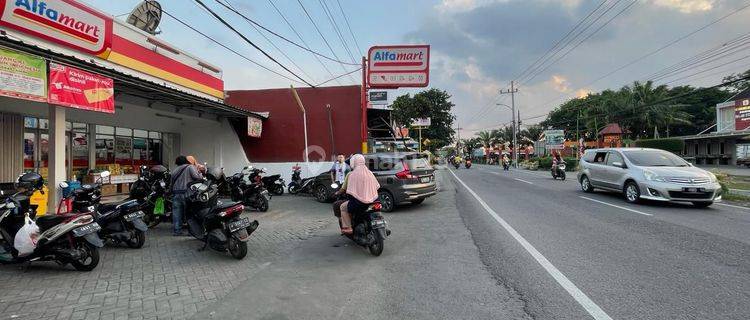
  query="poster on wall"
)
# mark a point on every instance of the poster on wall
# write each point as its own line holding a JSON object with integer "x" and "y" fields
{"x": 554, "y": 139}
{"x": 22, "y": 76}
{"x": 123, "y": 148}
{"x": 79, "y": 89}
{"x": 254, "y": 127}
{"x": 742, "y": 115}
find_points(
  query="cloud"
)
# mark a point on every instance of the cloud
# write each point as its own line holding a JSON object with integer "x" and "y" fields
{"x": 559, "y": 83}
{"x": 686, "y": 6}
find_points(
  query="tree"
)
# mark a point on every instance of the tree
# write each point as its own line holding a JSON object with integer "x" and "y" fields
{"x": 739, "y": 86}
{"x": 434, "y": 104}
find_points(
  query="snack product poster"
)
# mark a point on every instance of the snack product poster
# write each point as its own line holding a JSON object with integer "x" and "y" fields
{"x": 79, "y": 89}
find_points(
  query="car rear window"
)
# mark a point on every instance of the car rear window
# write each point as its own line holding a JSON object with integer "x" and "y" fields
{"x": 418, "y": 164}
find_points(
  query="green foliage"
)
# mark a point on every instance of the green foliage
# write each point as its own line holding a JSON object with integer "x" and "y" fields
{"x": 672, "y": 145}
{"x": 545, "y": 163}
{"x": 434, "y": 104}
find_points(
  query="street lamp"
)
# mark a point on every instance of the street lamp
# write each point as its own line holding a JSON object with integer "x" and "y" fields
{"x": 515, "y": 142}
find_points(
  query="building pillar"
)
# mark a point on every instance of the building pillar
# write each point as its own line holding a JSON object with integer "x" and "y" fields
{"x": 92, "y": 146}
{"x": 56, "y": 161}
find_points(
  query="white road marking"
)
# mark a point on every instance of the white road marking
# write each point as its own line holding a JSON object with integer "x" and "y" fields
{"x": 732, "y": 206}
{"x": 497, "y": 173}
{"x": 616, "y": 206}
{"x": 524, "y": 181}
{"x": 592, "y": 308}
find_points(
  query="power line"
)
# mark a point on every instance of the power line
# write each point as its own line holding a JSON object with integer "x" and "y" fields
{"x": 336, "y": 29}
{"x": 321, "y": 34}
{"x": 702, "y": 59}
{"x": 289, "y": 24}
{"x": 250, "y": 42}
{"x": 275, "y": 46}
{"x": 350, "y": 28}
{"x": 306, "y": 48}
{"x": 339, "y": 76}
{"x": 230, "y": 49}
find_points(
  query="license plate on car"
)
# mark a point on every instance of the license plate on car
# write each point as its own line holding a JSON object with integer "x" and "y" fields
{"x": 84, "y": 230}
{"x": 239, "y": 224}
{"x": 424, "y": 179}
{"x": 134, "y": 215}
{"x": 693, "y": 189}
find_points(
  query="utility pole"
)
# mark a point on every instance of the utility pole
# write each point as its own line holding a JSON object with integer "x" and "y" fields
{"x": 512, "y": 93}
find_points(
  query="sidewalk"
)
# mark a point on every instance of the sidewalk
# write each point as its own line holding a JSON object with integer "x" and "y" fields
{"x": 731, "y": 170}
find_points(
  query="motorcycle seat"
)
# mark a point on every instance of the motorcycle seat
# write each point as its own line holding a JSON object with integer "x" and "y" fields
{"x": 48, "y": 221}
{"x": 125, "y": 206}
{"x": 225, "y": 205}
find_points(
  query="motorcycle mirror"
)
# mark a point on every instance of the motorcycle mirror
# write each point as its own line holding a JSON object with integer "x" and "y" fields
{"x": 63, "y": 185}
{"x": 264, "y": 169}
{"x": 334, "y": 185}
{"x": 105, "y": 174}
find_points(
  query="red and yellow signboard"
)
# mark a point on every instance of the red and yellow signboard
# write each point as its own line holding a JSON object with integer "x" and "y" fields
{"x": 742, "y": 114}
{"x": 65, "y": 22}
{"x": 79, "y": 89}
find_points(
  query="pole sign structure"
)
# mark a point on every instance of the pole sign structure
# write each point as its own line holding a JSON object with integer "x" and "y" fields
{"x": 398, "y": 66}
{"x": 378, "y": 96}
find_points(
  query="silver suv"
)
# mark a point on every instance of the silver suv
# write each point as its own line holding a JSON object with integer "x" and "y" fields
{"x": 648, "y": 174}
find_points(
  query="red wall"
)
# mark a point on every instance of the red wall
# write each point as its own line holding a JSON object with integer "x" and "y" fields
{"x": 282, "y": 139}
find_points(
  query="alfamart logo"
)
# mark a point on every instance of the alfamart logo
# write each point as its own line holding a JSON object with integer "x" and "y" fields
{"x": 63, "y": 21}
{"x": 38, "y": 11}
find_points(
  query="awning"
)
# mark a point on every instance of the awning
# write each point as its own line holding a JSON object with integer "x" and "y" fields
{"x": 729, "y": 134}
{"x": 135, "y": 86}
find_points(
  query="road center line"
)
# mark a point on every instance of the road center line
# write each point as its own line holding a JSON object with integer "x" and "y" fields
{"x": 592, "y": 308}
{"x": 522, "y": 180}
{"x": 616, "y": 206}
{"x": 732, "y": 206}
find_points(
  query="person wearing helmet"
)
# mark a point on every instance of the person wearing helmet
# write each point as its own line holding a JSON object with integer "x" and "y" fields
{"x": 184, "y": 174}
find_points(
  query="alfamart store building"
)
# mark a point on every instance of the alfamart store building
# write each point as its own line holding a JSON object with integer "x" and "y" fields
{"x": 81, "y": 91}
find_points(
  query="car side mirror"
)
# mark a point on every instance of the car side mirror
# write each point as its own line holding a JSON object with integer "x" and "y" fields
{"x": 619, "y": 165}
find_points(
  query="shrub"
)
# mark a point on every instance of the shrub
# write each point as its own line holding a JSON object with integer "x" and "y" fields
{"x": 672, "y": 145}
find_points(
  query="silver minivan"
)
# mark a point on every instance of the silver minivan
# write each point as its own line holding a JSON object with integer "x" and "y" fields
{"x": 650, "y": 174}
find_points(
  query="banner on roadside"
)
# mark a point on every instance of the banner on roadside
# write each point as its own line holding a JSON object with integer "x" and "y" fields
{"x": 74, "y": 88}
{"x": 22, "y": 76}
{"x": 554, "y": 139}
{"x": 254, "y": 127}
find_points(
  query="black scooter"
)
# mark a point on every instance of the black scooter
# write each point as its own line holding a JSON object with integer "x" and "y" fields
{"x": 120, "y": 222}
{"x": 152, "y": 187}
{"x": 274, "y": 184}
{"x": 219, "y": 225}
{"x": 250, "y": 191}
{"x": 299, "y": 185}
{"x": 370, "y": 228}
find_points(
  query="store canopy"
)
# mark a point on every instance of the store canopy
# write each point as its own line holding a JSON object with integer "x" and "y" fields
{"x": 137, "y": 87}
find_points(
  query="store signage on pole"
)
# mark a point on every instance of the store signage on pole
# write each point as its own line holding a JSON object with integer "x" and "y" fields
{"x": 742, "y": 114}
{"x": 254, "y": 127}
{"x": 22, "y": 76}
{"x": 65, "y": 22}
{"x": 554, "y": 139}
{"x": 422, "y": 122}
{"x": 398, "y": 66}
{"x": 79, "y": 89}
{"x": 379, "y": 96}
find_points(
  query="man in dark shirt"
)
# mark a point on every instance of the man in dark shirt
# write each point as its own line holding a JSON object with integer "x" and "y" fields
{"x": 184, "y": 174}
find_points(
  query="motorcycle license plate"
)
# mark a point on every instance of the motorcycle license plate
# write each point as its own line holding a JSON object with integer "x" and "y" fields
{"x": 266, "y": 195}
{"x": 378, "y": 223}
{"x": 239, "y": 224}
{"x": 87, "y": 229}
{"x": 424, "y": 179}
{"x": 134, "y": 215}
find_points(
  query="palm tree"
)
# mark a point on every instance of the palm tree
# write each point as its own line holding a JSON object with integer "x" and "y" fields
{"x": 652, "y": 108}
{"x": 485, "y": 138}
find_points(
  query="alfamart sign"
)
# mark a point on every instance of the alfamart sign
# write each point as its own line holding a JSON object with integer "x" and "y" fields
{"x": 398, "y": 66}
{"x": 65, "y": 22}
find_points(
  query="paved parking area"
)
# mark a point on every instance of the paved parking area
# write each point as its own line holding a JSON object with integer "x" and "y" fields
{"x": 166, "y": 279}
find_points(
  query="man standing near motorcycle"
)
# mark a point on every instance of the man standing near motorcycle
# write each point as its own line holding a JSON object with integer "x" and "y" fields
{"x": 340, "y": 169}
{"x": 184, "y": 174}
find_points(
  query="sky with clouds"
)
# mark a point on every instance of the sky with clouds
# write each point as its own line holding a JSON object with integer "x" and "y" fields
{"x": 478, "y": 46}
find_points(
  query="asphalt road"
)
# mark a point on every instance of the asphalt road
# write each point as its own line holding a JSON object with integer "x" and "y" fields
{"x": 515, "y": 245}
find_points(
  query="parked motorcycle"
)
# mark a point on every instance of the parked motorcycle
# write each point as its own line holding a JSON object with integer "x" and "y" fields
{"x": 250, "y": 191}
{"x": 456, "y": 164}
{"x": 151, "y": 190}
{"x": 274, "y": 184}
{"x": 120, "y": 222}
{"x": 370, "y": 228}
{"x": 70, "y": 238}
{"x": 219, "y": 225}
{"x": 467, "y": 164}
{"x": 558, "y": 171}
{"x": 299, "y": 185}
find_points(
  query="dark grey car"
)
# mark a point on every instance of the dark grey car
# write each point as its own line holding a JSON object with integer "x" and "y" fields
{"x": 404, "y": 178}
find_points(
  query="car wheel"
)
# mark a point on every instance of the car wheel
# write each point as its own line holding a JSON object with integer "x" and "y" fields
{"x": 631, "y": 192}
{"x": 321, "y": 193}
{"x": 387, "y": 202}
{"x": 703, "y": 204}
{"x": 586, "y": 184}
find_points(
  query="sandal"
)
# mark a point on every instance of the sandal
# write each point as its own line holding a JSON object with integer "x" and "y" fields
{"x": 347, "y": 231}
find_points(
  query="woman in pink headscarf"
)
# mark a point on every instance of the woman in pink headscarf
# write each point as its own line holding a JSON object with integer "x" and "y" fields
{"x": 361, "y": 187}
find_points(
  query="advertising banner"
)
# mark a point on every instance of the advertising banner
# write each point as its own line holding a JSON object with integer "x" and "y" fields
{"x": 422, "y": 122}
{"x": 254, "y": 127}
{"x": 379, "y": 96}
{"x": 398, "y": 66}
{"x": 22, "y": 76}
{"x": 554, "y": 139}
{"x": 742, "y": 115}
{"x": 79, "y": 89}
{"x": 65, "y": 22}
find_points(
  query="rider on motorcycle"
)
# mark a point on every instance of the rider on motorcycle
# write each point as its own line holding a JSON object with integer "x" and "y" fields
{"x": 361, "y": 188}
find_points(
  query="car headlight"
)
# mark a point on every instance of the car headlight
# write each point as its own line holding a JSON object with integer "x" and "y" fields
{"x": 651, "y": 176}
{"x": 712, "y": 177}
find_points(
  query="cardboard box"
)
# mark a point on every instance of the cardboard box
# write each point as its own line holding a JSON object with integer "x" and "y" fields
{"x": 124, "y": 188}
{"x": 109, "y": 189}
